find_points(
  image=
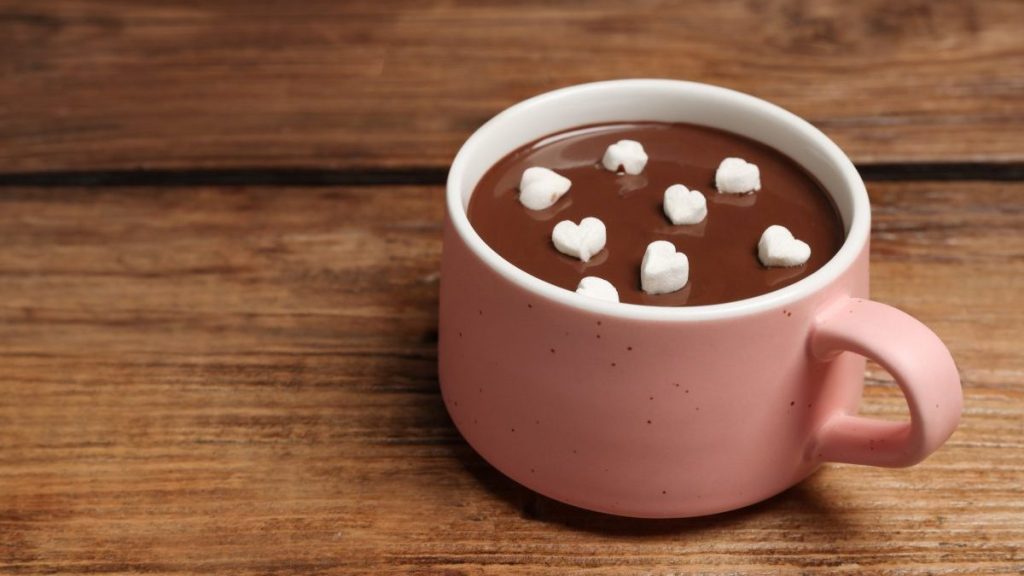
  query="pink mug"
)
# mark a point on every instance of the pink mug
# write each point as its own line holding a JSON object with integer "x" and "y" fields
{"x": 671, "y": 412}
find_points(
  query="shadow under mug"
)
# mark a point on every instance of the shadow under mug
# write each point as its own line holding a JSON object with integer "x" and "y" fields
{"x": 671, "y": 412}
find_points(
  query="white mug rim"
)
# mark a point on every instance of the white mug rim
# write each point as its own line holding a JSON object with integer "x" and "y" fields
{"x": 856, "y": 236}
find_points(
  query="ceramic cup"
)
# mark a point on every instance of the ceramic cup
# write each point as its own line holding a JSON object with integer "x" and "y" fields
{"x": 671, "y": 412}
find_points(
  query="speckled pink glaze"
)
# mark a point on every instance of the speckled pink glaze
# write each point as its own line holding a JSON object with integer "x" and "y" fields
{"x": 655, "y": 412}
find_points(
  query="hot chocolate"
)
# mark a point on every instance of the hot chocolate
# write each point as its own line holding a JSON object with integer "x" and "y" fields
{"x": 722, "y": 248}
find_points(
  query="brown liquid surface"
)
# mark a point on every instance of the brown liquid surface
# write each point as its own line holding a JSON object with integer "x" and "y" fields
{"x": 722, "y": 249}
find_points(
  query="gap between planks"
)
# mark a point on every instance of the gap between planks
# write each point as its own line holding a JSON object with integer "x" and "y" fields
{"x": 426, "y": 175}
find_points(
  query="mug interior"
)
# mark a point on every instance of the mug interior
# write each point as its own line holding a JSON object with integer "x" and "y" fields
{"x": 662, "y": 101}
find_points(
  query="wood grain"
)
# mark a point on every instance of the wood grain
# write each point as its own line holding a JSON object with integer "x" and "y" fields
{"x": 242, "y": 380}
{"x": 120, "y": 84}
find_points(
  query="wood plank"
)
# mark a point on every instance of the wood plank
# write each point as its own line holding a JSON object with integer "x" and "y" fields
{"x": 119, "y": 84}
{"x": 233, "y": 380}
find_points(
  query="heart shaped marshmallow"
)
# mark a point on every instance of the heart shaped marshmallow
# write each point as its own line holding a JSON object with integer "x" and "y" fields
{"x": 540, "y": 188}
{"x": 737, "y": 176}
{"x": 599, "y": 288}
{"x": 778, "y": 247}
{"x": 684, "y": 206}
{"x": 581, "y": 240}
{"x": 628, "y": 154}
{"x": 663, "y": 270}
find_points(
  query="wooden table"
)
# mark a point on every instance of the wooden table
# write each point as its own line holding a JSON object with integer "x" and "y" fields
{"x": 219, "y": 278}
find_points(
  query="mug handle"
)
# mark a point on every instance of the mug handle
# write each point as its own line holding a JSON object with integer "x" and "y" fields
{"x": 921, "y": 366}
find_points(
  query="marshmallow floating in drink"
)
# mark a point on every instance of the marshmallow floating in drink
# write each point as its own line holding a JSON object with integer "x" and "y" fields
{"x": 581, "y": 240}
{"x": 684, "y": 206}
{"x": 737, "y": 176}
{"x": 598, "y": 288}
{"x": 540, "y": 188}
{"x": 778, "y": 248}
{"x": 625, "y": 155}
{"x": 663, "y": 269}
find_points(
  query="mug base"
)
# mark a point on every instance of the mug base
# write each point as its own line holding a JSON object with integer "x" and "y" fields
{"x": 706, "y": 505}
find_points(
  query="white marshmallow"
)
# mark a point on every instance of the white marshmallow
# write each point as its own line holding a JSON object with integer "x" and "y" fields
{"x": 629, "y": 154}
{"x": 663, "y": 270}
{"x": 540, "y": 188}
{"x": 581, "y": 240}
{"x": 737, "y": 176}
{"x": 599, "y": 288}
{"x": 778, "y": 247}
{"x": 684, "y": 206}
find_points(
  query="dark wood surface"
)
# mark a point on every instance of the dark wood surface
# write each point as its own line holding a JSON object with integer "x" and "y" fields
{"x": 241, "y": 379}
{"x": 366, "y": 83}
